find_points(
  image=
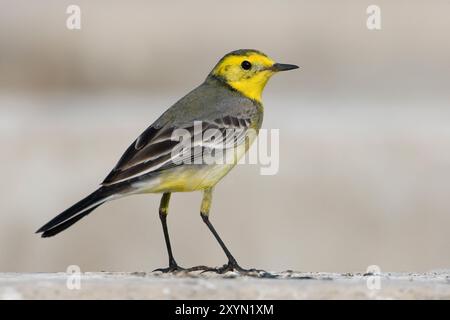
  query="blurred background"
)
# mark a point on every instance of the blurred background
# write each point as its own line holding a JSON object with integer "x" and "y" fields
{"x": 364, "y": 132}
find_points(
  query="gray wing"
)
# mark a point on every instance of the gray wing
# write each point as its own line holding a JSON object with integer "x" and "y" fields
{"x": 158, "y": 149}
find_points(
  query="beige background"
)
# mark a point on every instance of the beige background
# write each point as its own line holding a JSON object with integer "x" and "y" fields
{"x": 364, "y": 130}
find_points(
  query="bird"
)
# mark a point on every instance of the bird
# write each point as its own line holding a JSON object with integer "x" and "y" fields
{"x": 160, "y": 161}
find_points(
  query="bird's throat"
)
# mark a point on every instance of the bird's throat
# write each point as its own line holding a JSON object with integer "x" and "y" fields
{"x": 252, "y": 87}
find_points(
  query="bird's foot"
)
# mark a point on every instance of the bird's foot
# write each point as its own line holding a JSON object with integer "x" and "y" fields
{"x": 172, "y": 268}
{"x": 233, "y": 266}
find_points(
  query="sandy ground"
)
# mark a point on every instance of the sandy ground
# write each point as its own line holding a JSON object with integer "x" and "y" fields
{"x": 285, "y": 285}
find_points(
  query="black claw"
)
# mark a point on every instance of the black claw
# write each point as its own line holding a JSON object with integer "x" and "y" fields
{"x": 171, "y": 269}
{"x": 233, "y": 266}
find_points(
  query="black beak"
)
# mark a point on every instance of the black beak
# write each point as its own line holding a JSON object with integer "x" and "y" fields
{"x": 283, "y": 67}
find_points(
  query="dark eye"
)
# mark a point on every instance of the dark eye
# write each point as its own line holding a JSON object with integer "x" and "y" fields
{"x": 246, "y": 65}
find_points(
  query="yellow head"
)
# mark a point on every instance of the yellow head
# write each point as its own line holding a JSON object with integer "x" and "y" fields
{"x": 248, "y": 71}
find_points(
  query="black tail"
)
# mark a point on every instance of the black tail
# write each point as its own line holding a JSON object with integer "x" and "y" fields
{"x": 79, "y": 210}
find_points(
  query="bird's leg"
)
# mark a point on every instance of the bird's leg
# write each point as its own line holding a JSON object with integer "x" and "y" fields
{"x": 206, "y": 203}
{"x": 163, "y": 211}
{"x": 232, "y": 264}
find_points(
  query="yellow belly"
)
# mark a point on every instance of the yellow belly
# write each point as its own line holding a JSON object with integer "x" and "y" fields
{"x": 185, "y": 178}
{"x": 188, "y": 178}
